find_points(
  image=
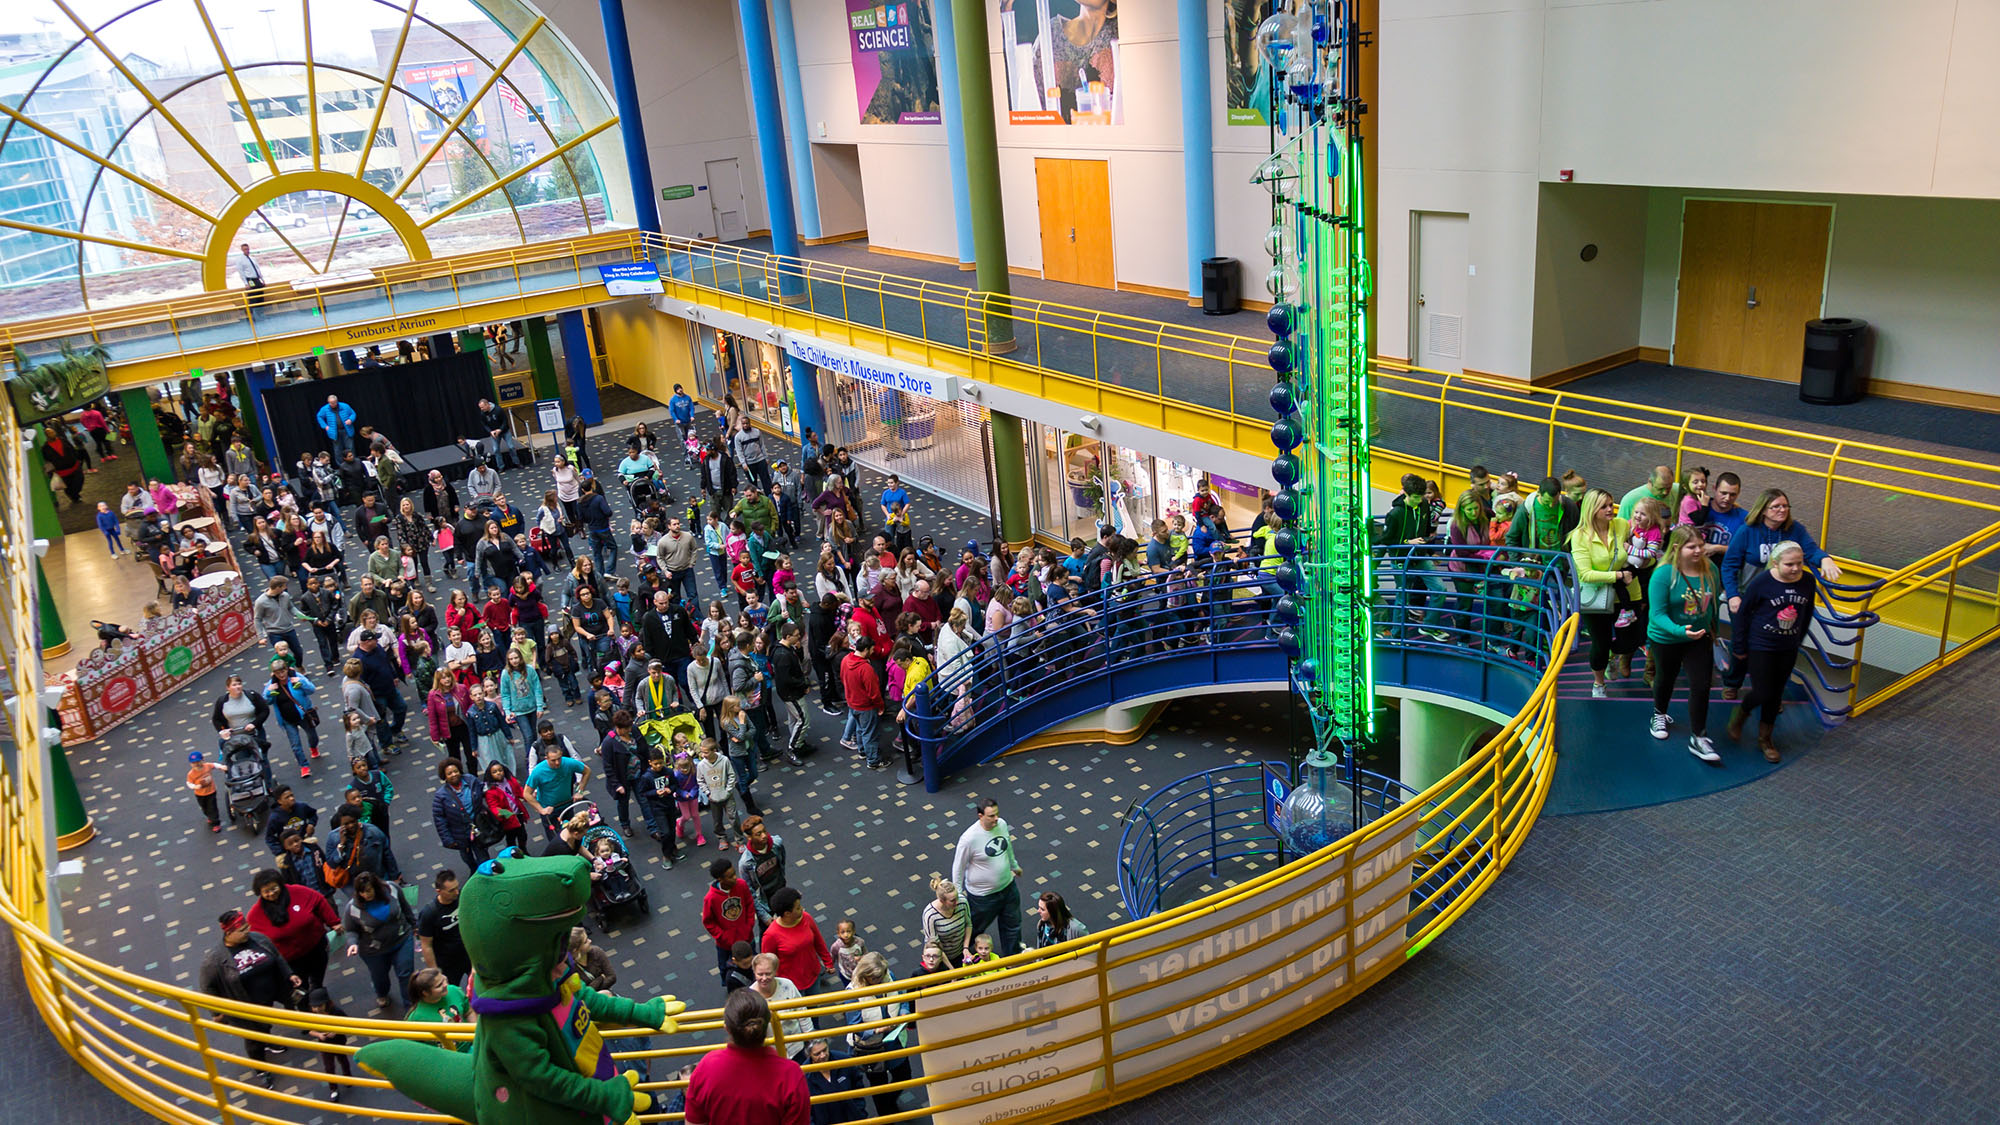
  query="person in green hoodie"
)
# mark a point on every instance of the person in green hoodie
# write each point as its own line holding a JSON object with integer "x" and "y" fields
{"x": 1682, "y": 601}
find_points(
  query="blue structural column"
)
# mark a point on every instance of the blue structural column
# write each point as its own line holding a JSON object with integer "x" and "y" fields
{"x": 954, "y": 130}
{"x": 1197, "y": 139}
{"x": 770, "y": 124}
{"x": 806, "y": 194}
{"x": 582, "y": 364}
{"x": 631, "y": 126}
{"x": 254, "y": 381}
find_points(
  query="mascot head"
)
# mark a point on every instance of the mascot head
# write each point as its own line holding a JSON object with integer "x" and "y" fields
{"x": 515, "y": 916}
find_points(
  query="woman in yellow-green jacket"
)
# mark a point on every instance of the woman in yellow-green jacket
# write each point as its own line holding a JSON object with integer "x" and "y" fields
{"x": 1605, "y": 579}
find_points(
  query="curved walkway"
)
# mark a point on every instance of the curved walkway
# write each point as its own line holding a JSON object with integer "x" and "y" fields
{"x": 1817, "y": 947}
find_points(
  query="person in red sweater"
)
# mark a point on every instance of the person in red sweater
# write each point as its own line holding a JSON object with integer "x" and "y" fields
{"x": 728, "y": 913}
{"x": 794, "y": 938}
{"x": 746, "y": 1082}
{"x": 296, "y": 919}
{"x": 498, "y": 613}
{"x": 863, "y": 690}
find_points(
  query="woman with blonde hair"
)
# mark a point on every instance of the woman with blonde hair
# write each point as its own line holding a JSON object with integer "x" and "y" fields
{"x": 1604, "y": 578}
{"x": 1774, "y": 612}
{"x": 947, "y": 920}
{"x": 873, "y": 969}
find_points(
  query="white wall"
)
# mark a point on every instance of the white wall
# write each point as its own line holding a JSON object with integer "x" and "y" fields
{"x": 837, "y": 175}
{"x": 689, "y": 68}
{"x": 1879, "y": 97}
{"x": 906, "y": 172}
{"x": 1924, "y": 272}
{"x": 1586, "y": 310}
{"x": 1456, "y": 122}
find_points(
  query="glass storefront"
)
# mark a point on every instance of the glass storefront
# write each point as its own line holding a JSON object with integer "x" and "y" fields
{"x": 754, "y": 372}
{"x": 1080, "y": 482}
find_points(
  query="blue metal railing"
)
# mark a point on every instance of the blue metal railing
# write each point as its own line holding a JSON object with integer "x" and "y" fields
{"x": 1211, "y": 624}
{"x": 1167, "y": 839}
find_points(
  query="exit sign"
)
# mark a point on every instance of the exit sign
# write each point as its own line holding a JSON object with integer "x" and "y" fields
{"x": 319, "y": 349}
{"x": 678, "y": 191}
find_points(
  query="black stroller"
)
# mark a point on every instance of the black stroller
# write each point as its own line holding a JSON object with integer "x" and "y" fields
{"x": 248, "y": 781}
{"x": 615, "y": 889}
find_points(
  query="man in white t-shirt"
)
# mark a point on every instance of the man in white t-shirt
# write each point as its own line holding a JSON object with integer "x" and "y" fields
{"x": 984, "y": 869}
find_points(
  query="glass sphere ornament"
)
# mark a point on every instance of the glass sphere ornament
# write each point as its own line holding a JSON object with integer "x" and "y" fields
{"x": 1286, "y": 542}
{"x": 1288, "y": 641}
{"x": 1280, "y": 356}
{"x": 1288, "y": 577}
{"x": 1281, "y": 242}
{"x": 1286, "y": 611}
{"x": 1320, "y": 809}
{"x": 1288, "y": 504}
{"x": 1276, "y": 36}
{"x": 1282, "y": 282}
{"x": 1285, "y": 435}
{"x": 1283, "y": 402}
{"x": 1285, "y": 469}
{"x": 1279, "y": 320}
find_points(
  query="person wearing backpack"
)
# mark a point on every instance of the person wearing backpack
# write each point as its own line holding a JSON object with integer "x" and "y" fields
{"x": 457, "y": 807}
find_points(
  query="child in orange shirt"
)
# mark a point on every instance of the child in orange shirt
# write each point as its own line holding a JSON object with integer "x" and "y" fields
{"x": 201, "y": 779}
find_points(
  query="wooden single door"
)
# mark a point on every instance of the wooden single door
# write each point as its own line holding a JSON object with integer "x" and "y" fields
{"x": 1074, "y": 201}
{"x": 1751, "y": 275}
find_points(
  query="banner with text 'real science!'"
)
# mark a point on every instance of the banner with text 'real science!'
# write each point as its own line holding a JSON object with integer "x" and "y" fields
{"x": 895, "y": 62}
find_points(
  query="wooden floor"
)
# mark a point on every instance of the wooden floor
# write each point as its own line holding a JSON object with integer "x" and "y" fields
{"x": 88, "y": 584}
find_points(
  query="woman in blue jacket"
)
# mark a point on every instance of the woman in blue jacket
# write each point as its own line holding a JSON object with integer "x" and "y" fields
{"x": 1768, "y": 524}
{"x": 453, "y": 808}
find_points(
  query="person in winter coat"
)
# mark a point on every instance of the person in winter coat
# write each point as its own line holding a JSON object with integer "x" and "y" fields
{"x": 358, "y": 846}
{"x": 507, "y": 799}
{"x": 761, "y": 864}
{"x": 303, "y": 863}
{"x": 619, "y": 753}
{"x": 383, "y": 932}
{"x": 290, "y": 695}
{"x": 791, "y": 678}
{"x": 717, "y": 777}
{"x": 455, "y": 805}
{"x": 862, "y": 688}
{"x": 248, "y": 969}
{"x": 296, "y": 919}
{"x": 288, "y": 815}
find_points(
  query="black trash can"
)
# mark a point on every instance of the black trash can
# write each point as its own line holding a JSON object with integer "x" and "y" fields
{"x": 1221, "y": 286}
{"x": 1839, "y": 352}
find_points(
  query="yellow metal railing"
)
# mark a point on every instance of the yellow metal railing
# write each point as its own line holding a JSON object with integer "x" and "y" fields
{"x": 1964, "y": 614}
{"x": 1052, "y": 1034}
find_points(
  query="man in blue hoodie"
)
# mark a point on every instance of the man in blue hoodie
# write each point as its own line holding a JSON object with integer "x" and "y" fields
{"x": 681, "y": 407}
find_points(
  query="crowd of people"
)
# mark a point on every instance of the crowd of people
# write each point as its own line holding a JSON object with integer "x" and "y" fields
{"x": 1655, "y": 567}
{"x": 485, "y": 637}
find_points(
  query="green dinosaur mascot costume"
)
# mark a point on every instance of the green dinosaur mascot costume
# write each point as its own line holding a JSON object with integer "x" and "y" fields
{"x": 537, "y": 1057}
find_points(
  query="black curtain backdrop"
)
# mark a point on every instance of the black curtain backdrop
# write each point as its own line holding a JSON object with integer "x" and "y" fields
{"x": 417, "y": 405}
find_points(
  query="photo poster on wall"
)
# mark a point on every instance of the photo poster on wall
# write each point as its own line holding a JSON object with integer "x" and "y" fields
{"x": 1061, "y": 58}
{"x": 1246, "y": 78}
{"x": 440, "y": 91}
{"x": 895, "y": 62}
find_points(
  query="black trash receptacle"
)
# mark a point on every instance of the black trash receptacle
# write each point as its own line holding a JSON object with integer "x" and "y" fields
{"x": 1221, "y": 286}
{"x": 1839, "y": 352}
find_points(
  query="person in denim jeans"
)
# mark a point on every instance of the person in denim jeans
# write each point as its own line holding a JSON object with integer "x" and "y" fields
{"x": 863, "y": 691}
{"x": 985, "y": 867}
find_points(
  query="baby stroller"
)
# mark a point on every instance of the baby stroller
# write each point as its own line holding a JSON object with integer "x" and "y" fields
{"x": 640, "y": 487}
{"x": 615, "y": 890}
{"x": 249, "y": 782}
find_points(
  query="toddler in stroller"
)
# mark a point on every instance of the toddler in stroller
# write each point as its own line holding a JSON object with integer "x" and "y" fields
{"x": 614, "y": 887}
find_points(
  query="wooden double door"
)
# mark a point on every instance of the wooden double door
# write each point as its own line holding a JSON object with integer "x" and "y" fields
{"x": 1074, "y": 197}
{"x": 1752, "y": 275}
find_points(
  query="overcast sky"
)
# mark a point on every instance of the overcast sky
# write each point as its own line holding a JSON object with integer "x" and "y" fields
{"x": 170, "y": 32}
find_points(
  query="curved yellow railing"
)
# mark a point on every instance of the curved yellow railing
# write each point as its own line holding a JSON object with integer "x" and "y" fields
{"x": 1051, "y": 1034}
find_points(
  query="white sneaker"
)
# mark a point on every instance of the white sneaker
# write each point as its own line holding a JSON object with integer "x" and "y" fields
{"x": 1597, "y": 692}
{"x": 1660, "y": 723}
{"x": 1702, "y": 748}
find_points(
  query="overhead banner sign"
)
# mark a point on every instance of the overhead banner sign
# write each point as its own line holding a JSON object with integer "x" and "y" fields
{"x": 1027, "y": 1003}
{"x": 1061, "y": 58}
{"x": 1246, "y": 76}
{"x": 886, "y": 373}
{"x": 629, "y": 279}
{"x": 895, "y": 62}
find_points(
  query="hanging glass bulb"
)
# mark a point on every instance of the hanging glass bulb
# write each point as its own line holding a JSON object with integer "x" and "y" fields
{"x": 1281, "y": 242}
{"x": 1282, "y": 283}
{"x": 1276, "y": 37}
{"x": 1279, "y": 173}
{"x": 1321, "y": 809}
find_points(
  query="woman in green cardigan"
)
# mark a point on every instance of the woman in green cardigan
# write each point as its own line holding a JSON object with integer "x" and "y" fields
{"x": 1682, "y": 600}
{"x": 1606, "y": 576}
